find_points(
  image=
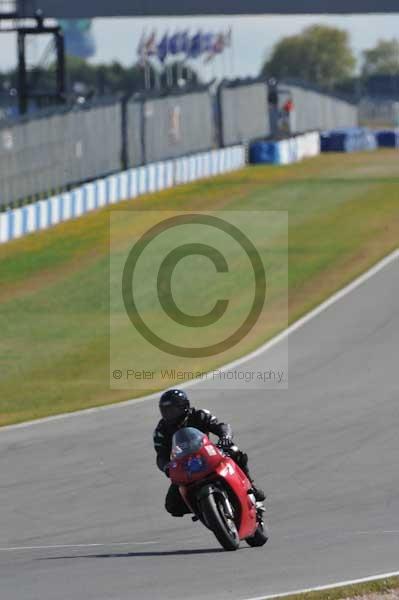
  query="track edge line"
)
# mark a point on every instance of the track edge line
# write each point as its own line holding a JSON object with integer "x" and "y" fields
{"x": 331, "y": 586}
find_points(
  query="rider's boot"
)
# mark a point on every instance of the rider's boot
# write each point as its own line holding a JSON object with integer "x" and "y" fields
{"x": 259, "y": 494}
{"x": 242, "y": 460}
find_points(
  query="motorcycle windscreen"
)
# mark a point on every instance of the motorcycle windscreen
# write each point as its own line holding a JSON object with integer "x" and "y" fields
{"x": 186, "y": 441}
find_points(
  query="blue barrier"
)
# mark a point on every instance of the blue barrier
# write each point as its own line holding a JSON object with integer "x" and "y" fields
{"x": 348, "y": 140}
{"x": 388, "y": 138}
{"x": 285, "y": 152}
{"x": 116, "y": 188}
{"x": 265, "y": 152}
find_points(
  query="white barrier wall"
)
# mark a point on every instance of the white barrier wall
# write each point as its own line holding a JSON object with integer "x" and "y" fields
{"x": 299, "y": 147}
{"x": 115, "y": 188}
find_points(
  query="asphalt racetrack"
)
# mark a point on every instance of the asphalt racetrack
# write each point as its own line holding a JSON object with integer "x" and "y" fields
{"x": 81, "y": 502}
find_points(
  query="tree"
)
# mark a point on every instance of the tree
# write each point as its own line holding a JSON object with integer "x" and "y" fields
{"x": 104, "y": 80}
{"x": 383, "y": 59}
{"x": 320, "y": 55}
{"x": 85, "y": 79}
{"x": 179, "y": 74}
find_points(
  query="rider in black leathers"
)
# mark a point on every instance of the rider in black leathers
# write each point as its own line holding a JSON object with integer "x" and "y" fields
{"x": 176, "y": 413}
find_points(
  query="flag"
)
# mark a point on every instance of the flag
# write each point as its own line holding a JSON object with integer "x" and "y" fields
{"x": 218, "y": 47}
{"x": 185, "y": 42}
{"x": 220, "y": 43}
{"x": 141, "y": 51}
{"x": 195, "y": 45}
{"x": 176, "y": 43}
{"x": 208, "y": 40}
{"x": 163, "y": 48}
{"x": 151, "y": 44}
{"x": 228, "y": 38}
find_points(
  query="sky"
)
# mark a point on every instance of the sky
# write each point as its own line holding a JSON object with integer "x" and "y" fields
{"x": 253, "y": 38}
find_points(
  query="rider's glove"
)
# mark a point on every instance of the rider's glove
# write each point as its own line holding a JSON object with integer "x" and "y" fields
{"x": 226, "y": 442}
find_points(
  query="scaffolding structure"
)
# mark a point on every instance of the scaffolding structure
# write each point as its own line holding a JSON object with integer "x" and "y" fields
{"x": 14, "y": 17}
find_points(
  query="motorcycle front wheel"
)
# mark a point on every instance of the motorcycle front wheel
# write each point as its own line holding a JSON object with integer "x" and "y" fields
{"x": 222, "y": 526}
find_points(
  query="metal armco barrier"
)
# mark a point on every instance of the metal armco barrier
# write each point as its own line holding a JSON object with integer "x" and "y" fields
{"x": 115, "y": 188}
{"x": 378, "y": 112}
{"x": 243, "y": 112}
{"x": 50, "y": 153}
{"x": 46, "y": 154}
{"x": 314, "y": 110}
{"x": 169, "y": 126}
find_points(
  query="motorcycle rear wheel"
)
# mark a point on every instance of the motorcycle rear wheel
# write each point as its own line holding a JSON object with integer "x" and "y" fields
{"x": 226, "y": 533}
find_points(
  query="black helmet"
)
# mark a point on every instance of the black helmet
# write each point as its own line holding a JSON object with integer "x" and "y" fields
{"x": 174, "y": 406}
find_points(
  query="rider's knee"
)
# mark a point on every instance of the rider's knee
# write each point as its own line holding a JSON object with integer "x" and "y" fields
{"x": 242, "y": 459}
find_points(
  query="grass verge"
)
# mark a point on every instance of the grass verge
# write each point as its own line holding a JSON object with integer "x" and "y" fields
{"x": 358, "y": 590}
{"x": 54, "y": 357}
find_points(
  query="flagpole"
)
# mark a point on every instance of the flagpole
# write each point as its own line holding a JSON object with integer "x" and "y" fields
{"x": 141, "y": 54}
{"x": 164, "y": 58}
{"x": 169, "y": 80}
{"x": 158, "y": 83}
{"x": 179, "y": 72}
{"x": 147, "y": 76}
{"x": 224, "y": 65}
{"x": 213, "y": 69}
{"x": 188, "y": 72}
{"x": 184, "y": 62}
{"x": 232, "y": 54}
{"x": 201, "y": 47}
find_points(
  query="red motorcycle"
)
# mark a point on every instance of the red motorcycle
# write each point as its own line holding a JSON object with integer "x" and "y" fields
{"x": 216, "y": 490}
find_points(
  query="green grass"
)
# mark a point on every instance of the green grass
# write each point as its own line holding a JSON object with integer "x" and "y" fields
{"x": 358, "y": 590}
{"x": 54, "y": 295}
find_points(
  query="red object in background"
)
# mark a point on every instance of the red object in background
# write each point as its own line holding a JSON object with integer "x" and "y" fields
{"x": 288, "y": 106}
